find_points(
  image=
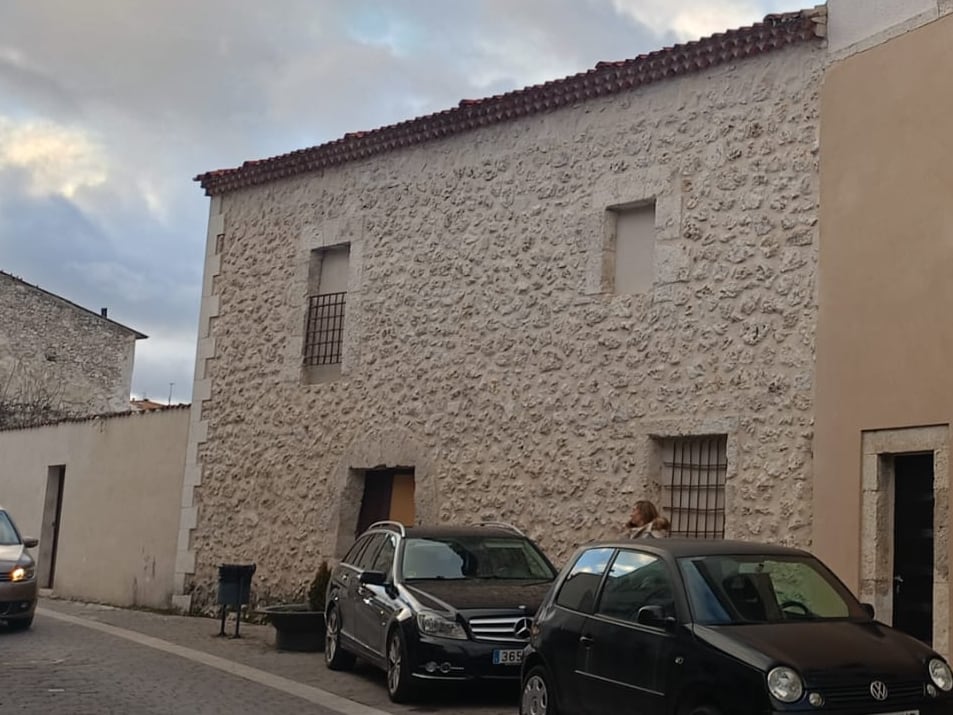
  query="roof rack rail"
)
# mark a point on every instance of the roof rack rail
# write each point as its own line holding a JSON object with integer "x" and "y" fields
{"x": 502, "y": 525}
{"x": 395, "y": 525}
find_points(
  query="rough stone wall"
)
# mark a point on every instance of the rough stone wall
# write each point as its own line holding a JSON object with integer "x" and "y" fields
{"x": 481, "y": 342}
{"x": 51, "y": 345}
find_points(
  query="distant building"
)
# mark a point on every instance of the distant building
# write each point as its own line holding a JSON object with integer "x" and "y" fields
{"x": 86, "y": 469}
{"x": 58, "y": 359}
{"x": 146, "y": 405}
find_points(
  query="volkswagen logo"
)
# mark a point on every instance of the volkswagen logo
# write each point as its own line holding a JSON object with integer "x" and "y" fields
{"x": 521, "y": 629}
{"x": 878, "y": 690}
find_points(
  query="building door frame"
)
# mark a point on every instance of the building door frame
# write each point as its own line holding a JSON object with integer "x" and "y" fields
{"x": 50, "y": 531}
{"x": 391, "y": 448}
{"x": 878, "y": 480}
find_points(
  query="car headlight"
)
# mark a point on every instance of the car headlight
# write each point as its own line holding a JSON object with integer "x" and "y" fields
{"x": 785, "y": 684}
{"x": 433, "y": 624}
{"x": 940, "y": 674}
{"x": 21, "y": 573}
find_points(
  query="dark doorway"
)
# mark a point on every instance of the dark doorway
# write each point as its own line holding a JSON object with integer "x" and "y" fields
{"x": 50, "y": 535}
{"x": 388, "y": 495}
{"x": 913, "y": 545}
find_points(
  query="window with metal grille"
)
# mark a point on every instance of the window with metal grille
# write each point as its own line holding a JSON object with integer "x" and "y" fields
{"x": 324, "y": 334}
{"x": 693, "y": 485}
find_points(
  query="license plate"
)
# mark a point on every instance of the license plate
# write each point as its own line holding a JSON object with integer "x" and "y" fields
{"x": 509, "y": 657}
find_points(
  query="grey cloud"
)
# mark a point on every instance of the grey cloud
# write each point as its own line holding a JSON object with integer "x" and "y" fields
{"x": 173, "y": 88}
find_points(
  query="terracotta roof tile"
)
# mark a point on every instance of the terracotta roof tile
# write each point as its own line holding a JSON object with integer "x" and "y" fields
{"x": 606, "y": 78}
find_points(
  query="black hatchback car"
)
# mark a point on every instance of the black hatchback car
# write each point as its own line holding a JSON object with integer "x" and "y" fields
{"x": 719, "y": 628}
{"x": 430, "y": 604}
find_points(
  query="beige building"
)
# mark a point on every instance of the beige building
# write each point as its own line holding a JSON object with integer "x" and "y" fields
{"x": 58, "y": 359}
{"x": 884, "y": 399}
{"x": 103, "y": 496}
{"x": 537, "y": 307}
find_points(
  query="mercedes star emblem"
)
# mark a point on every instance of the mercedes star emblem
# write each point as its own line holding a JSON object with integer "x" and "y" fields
{"x": 521, "y": 629}
{"x": 878, "y": 690}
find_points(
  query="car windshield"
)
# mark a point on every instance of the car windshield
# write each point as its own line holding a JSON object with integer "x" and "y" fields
{"x": 473, "y": 557}
{"x": 8, "y": 535}
{"x": 764, "y": 589}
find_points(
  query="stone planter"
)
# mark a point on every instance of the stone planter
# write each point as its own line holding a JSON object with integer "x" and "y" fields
{"x": 297, "y": 627}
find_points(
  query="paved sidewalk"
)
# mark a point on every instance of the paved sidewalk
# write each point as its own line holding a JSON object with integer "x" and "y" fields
{"x": 255, "y": 649}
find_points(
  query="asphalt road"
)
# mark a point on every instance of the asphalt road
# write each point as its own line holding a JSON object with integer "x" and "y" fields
{"x": 75, "y": 662}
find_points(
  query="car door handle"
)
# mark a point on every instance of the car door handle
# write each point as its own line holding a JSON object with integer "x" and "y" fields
{"x": 586, "y": 640}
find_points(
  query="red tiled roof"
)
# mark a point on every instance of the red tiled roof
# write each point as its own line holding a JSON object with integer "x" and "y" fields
{"x": 147, "y": 405}
{"x": 774, "y": 33}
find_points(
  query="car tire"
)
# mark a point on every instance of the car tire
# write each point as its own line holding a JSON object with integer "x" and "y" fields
{"x": 704, "y": 710}
{"x": 20, "y": 624}
{"x": 335, "y": 657}
{"x": 400, "y": 687}
{"x": 536, "y": 695}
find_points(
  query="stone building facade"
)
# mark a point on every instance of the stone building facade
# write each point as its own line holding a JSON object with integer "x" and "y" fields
{"x": 54, "y": 351}
{"x": 556, "y": 301}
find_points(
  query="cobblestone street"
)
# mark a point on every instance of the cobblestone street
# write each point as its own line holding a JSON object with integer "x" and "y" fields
{"x": 81, "y": 659}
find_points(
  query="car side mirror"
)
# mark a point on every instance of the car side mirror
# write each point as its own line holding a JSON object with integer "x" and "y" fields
{"x": 373, "y": 578}
{"x": 869, "y": 610}
{"x": 654, "y": 616}
{"x": 30, "y": 542}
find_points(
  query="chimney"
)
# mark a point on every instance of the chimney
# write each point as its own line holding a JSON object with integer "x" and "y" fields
{"x": 102, "y": 312}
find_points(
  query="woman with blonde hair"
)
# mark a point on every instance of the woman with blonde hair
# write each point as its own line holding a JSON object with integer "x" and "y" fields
{"x": 646, "y": 522}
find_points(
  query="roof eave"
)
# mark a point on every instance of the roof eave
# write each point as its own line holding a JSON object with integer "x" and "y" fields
{"x": 775, "y": 32}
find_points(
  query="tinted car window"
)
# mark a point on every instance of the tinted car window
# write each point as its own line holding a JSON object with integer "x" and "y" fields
{"x": 474, "y": 557}
{"x": 355, "y": 551}
{"x": 578, "y": 591}
{"x": 636, "y": 580}
{"x": 764, "y": 589}
{"x": 8, "y": 535}
{"x": 365, "y": 559}
{"x": 385, "y": 555}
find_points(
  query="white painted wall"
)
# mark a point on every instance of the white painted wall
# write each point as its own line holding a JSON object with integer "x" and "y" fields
{"x": 121, "y": 501}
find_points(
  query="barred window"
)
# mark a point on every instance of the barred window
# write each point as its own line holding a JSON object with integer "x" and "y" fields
{"x": 693, "y": 485}
{"x": 324, "y": 334}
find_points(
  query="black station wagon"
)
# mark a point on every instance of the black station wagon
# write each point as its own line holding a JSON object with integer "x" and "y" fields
{"x": 719, "y": 628}
{"x": 436, "y": 604}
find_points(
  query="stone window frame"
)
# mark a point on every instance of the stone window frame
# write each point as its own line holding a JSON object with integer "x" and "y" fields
{"x": 658, "y": 431}
{"x": 879, "y": 447}
{"x": 316, "y": 236}
{"x": 632, "y": 189}
{"x": 610, "y": 243}
{"x": 702, "y": 470}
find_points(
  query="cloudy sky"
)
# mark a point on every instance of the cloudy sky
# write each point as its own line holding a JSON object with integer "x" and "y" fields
{"x": 109, "y": 108}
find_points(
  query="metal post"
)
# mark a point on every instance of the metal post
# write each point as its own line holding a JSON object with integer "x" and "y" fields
{"x": 238, "y": 606}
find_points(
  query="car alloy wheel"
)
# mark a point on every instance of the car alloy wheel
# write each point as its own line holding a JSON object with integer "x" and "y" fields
{"x": 535, "y": 699}
{"x": 399, "y": 686}
{"x": 335, "y": 657}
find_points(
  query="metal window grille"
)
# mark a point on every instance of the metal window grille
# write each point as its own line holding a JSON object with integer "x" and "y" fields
{"x": 693, "y": 485}
{"x": 324, "y": 333}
